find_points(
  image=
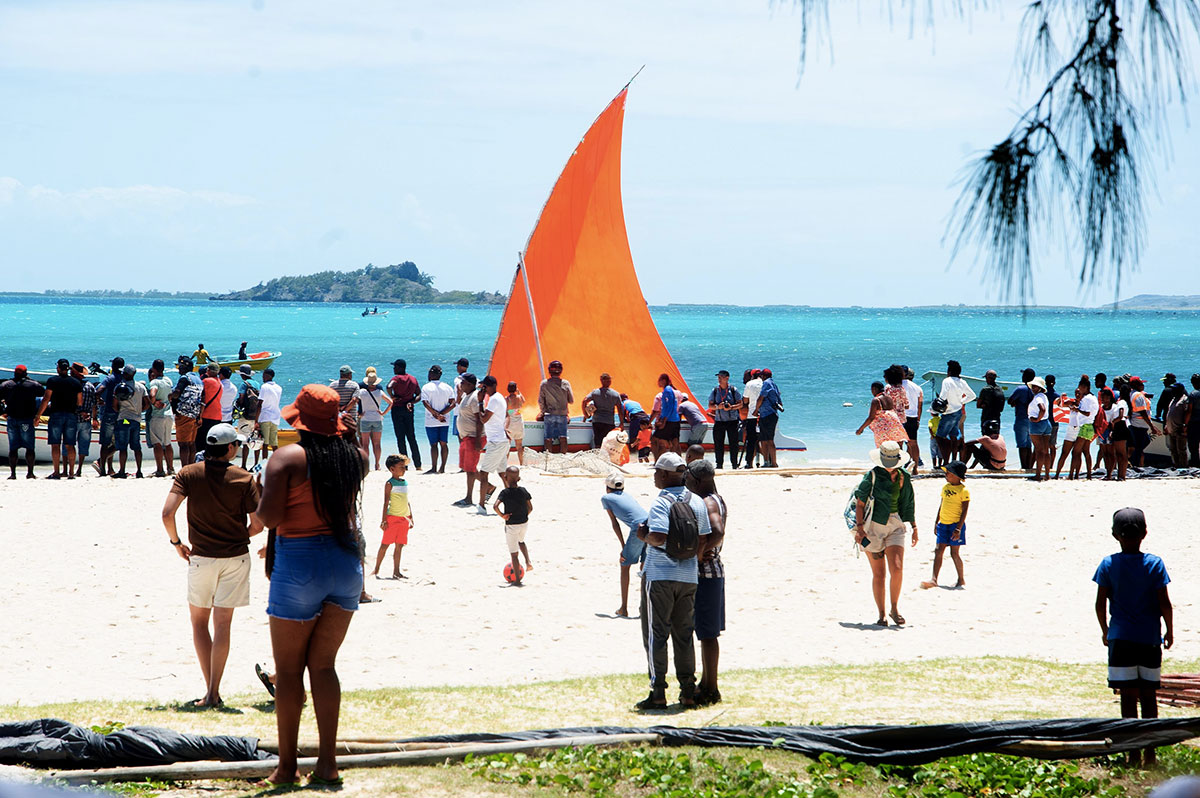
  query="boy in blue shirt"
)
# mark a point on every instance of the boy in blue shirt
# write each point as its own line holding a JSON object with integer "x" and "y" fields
{"x": 624, "y": 509}
{"x": 1131, "y": 596}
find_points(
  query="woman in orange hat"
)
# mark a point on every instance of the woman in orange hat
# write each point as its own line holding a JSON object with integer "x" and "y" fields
{"x": 310, "y": 498}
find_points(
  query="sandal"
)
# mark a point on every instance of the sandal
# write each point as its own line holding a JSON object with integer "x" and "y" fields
{"x": 897, "y": 618}
{"x": 881, "y": 622}
{"x": 265, "y": 679}
{"x": 316, "y": 781}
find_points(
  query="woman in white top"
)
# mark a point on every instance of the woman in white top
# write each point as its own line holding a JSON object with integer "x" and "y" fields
{"x": 1039, "y": 429}
{"x": 373, "y": 405}
{"x": 1083, "y": 422}
{"x": 1114, "y": 443}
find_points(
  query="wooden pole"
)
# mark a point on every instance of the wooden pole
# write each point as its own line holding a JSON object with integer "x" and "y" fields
{"x": 190, "y": 771}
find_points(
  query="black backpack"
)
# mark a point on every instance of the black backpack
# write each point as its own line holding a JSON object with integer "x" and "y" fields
{"x": 249, "y": 404}
{"x": 683, "y": 530}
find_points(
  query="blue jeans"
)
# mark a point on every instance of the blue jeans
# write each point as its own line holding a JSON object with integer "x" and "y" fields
{"x": 555, "y": 427}
{"x": 62, "y": 428}
{"x": 1021, "y": 432}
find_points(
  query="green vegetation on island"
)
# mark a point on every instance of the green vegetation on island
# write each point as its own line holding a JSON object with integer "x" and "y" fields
{"x": 1157, "y": 302}
{"x": 402, "y": 282}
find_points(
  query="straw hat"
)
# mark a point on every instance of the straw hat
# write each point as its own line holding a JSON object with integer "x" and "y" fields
{"x": 1038, "y": 382}
{"x": 315, "y": 410}
{"x": 372, "y": 376}
{"x": 890, "y": 455}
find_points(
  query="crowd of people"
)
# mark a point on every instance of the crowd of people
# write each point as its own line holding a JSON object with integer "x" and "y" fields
{"x": 1051, "y": 430}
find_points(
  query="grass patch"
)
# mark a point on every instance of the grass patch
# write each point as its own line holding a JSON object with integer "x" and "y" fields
{"x": 935, "y": 691}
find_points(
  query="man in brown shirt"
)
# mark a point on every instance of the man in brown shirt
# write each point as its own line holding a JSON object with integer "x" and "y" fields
{"x": 554, "y": 400}
{"x": 222, "y": 499}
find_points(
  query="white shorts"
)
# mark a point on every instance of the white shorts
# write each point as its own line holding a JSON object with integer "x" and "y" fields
{"x": 884, "y": 536}
{"x": 219, "y": 581}
{"x": 1070, "y": 432}
{"x": 495, "y": 457}
{"x": 160, "y": 430}
{"x": 514, "y": 536}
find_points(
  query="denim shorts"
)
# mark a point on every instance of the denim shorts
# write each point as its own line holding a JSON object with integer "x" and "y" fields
{"x": 62, "y": 428}
{"x": 555, "y": 427}
{"x": 83, "y": 438}
{"x": 632, "y": 551}
{"x": 370, "y": 426}
{"x": 437, "y": 434}
{"x": 1043, "y": 427}
{"x": 311, "y": 572}
{"x": 20, "y": 434}
{"x": 128, "y": 435}
{"x": 948, "y": 426}
{"x": 108, "y": 429}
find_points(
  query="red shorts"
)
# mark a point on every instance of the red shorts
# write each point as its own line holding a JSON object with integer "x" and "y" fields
{"x": 468, "y": 456}
{"x": 397, "y": 531}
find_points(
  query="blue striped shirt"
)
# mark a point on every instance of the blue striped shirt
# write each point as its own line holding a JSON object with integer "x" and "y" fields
{"x": 658, "y": 566}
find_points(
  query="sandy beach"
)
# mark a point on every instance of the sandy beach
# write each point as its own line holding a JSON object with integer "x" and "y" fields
{"x": 96, "y": 605}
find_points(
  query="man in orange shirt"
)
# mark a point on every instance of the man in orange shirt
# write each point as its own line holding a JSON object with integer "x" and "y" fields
{"x": 1141, "y": 428}
{"x": 210, "y": 415}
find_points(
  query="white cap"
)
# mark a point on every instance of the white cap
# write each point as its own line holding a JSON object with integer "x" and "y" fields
{"x": 223, "y": 433}
{"x": 615, "y": 480}
{"x": 670, "y": 462}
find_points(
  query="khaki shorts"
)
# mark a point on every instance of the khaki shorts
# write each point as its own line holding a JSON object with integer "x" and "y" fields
{"x": 185, "y": 429}
{"x": 160, "y": 430}
{"x": 514, "y": 536}
{"x": 495, "y": 457}
{"x": 219, "y": 581}
{"x": 884, "y": 536}
{"x": 269, "y": 431}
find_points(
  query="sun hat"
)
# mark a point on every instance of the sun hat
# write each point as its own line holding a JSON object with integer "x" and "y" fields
{"x": 372, "y": 376}
{"x": 77, "y": 366}
{"x": 615, "y": 480}
{"x": 1038, "y": 382}
{"x": 223, "y": 433}
{"x": 890, "y": 455}
{"x": 1128, "y": 522}
{"x": 670, "y": 462}
{"x": 245, "y": 370}
{"x": 956, "y": 467}
{"x": 315, "y": 410}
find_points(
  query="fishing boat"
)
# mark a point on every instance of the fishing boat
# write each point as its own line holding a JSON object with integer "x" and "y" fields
{"x": 366, "y": 314}
{"x": 575, "y": 296}
{"x": 258, "y": 361}
{"x": 42, "y": 376}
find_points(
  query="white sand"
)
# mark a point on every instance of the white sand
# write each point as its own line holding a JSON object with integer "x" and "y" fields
{"x": 95, "y": 608}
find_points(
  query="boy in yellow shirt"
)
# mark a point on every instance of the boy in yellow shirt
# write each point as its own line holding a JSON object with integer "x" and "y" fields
{"x": 950, "y": 527}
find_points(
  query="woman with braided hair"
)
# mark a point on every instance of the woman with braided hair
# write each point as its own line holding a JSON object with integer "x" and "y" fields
{"x": 310, "y": 497}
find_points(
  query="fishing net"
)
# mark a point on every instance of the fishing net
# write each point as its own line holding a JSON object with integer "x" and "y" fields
{"x": 593, "y": 461}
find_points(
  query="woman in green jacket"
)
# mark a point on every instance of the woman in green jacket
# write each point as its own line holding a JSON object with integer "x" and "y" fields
{"x": 882, "y": 534}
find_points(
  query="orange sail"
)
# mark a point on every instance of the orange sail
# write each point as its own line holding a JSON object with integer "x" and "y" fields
{"x": 576, "y": 296}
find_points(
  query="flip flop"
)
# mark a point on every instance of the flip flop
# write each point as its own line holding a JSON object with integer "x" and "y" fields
{"x": 316, "y": 781}
{"x": 370, "y": 600}
{"x": 265, "y": 679}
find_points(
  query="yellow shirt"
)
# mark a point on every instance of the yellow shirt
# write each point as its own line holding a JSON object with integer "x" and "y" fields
{"x": 398, "y": 501}
{"x": 953, "y": 499}
{"x": 934, "y": 423}
{"x": 200, "y": 356}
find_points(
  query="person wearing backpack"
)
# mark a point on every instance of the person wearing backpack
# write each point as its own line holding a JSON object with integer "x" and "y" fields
{"x": 676, "y": 533}
{"x": 248, "y": 404}
{"x": 187, "y": 399}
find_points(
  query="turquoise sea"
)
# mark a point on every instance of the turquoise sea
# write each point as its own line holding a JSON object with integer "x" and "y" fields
{"x": 821, "y": 357}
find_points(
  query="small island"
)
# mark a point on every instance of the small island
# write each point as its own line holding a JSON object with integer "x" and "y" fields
{"x": 1156, "y": 302}
{"x": 400, "y": 283}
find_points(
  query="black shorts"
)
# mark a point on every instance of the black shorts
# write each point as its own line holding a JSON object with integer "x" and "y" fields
{"x": 710, "y": 608}
{"x": 1133, "y": 664}
{"x": 766, "y": 428}
{"x": 912, "y": 426}
{"x": 669, "y": 431}
{"x": 1120, "y": 432}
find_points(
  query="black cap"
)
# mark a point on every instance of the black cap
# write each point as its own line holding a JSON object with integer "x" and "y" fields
{"x": 956, "y": 467}
{"x": 400, "y": 362}
{"x": 1129, "y": 522}
{"x": 62, "y": 361}
{"x": 722, "y": 373}
{"x": 489, "y": 381}
{"x": 462, "y": 361}
{"x": 555, "y": 364}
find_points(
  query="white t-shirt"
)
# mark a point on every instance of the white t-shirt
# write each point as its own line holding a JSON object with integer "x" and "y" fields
{"x": 753, "y": 389}
{"x": 1086, "y": 412}
{"x": 371, "y": 403}
{"x": 229, "y": 394}
{"x": 957, "y": 393}
{"x": 270, "y": 393}
{"x": 914, "y": 394}
{"x": 493, "y": 428}
{"x": 1040, "y": 405}
{"x": 438, "y": 394}
{"x": 1118, "y": 406}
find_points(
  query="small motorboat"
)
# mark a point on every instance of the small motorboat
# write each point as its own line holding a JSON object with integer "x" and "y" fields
{"x": 365, "y": 314}
{"x": 257, "y": 362}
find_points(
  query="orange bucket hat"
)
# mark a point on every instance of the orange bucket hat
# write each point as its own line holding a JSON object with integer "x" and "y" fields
{"x": 315, "y": 410}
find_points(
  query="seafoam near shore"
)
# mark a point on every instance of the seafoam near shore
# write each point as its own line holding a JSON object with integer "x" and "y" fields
{"x": 95, "y": 603}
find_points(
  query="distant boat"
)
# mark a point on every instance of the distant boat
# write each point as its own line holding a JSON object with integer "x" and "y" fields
{"x": 576, "y": 297}
{"x": 375, "y": 313}
{"x": 257, "y": 362}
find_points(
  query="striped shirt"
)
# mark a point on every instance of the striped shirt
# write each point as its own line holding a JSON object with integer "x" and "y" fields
{"x": 658, "y": 567}
{"x": 347, "y": 396}
{"x": 87, "y": 401}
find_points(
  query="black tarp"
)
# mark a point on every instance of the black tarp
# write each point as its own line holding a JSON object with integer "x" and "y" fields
{"x": 56, "y": 743}
{"x": 897, "y": 745}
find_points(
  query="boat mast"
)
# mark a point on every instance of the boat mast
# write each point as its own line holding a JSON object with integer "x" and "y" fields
{"x": 537, "y": 336}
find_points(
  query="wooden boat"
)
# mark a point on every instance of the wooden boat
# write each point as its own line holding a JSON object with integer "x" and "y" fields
{"x": 579, "y": 437}
{"x": 575, "y": 296}
{"x": 258, "y": 361}
{"x": 42, "y": 376}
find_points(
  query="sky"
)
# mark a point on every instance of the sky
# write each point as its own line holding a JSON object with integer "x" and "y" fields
{"x": 208, "y": 146}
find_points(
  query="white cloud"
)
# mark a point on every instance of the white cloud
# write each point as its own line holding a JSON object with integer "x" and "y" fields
{"x": 106, "y": 200}
{"x": 9, "y": 187}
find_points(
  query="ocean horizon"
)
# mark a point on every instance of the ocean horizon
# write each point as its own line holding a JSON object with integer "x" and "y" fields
{"x": 821, "y": 357}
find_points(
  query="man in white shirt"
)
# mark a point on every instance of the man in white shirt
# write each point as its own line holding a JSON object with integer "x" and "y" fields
{"x": 438, "y": 398}
{"x": 957, "y": 393}
{"x": 229, "y": 394}
{"x": 753, "y": 382}
{"x": 268, "y": 415}
{"x": 492, "y": 414}
{"x": 912, "y": 415}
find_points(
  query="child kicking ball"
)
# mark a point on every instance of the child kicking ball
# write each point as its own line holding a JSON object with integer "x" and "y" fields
{"x": 397, "y": 515}
{"x": 950, "y": 527}
{"x": 517, "y": 505}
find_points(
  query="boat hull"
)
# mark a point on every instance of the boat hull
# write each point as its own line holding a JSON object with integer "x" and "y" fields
{"x": 255, "y": 363}
{"x": 579, "y": 437}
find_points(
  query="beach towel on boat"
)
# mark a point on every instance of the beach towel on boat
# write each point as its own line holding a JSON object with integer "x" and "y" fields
{"x": 50, "y": 742}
